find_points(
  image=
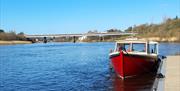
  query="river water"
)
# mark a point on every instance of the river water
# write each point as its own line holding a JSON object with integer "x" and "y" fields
{"x": 67, "y": 66}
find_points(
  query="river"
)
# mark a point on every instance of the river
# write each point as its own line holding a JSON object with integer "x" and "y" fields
{"x": 67, "y": 66}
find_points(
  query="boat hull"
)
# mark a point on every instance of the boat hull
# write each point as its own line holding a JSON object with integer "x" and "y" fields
{"x": 128, "y": 65}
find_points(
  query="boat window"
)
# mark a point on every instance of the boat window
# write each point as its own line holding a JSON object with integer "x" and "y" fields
{"x": 119, "y": 47}
{"x": 139, "y": 47}
{"x": 127, "y": 47}
{"x": 152, "y": 48}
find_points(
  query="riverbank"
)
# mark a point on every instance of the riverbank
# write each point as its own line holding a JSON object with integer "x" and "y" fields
{"x": 170, "y": 39}
{"x": 14, "y": 42}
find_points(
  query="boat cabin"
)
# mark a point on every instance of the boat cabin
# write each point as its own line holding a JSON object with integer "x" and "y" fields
{"x": 137, "y": 46}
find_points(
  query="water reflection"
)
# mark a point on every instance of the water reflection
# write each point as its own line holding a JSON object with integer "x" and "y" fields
{"x": 139, "y": 83}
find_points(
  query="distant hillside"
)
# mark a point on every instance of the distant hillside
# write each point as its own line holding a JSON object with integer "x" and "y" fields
{"x": 169, "y": 30}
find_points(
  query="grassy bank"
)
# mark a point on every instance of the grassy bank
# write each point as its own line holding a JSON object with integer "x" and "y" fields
{"x": 167, "y": 31}
{"x": 14, "y": 42}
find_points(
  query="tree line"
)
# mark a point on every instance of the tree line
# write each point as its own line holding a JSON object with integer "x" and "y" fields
{"x": 170, "y": 27}
{"x": 12, "y": 35}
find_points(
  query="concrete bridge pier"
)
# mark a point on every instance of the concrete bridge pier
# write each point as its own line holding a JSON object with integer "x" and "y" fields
{"x": 101, "y": 38}
{"x": 74, "y": 39}
{"x": 45, "y": 40}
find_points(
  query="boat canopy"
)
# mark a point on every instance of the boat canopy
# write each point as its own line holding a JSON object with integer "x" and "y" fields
{"x": 137, "y": 46}
{"x": 136, "y": 41}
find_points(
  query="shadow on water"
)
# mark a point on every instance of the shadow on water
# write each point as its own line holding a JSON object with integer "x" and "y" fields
{"x": 140, "y": 83}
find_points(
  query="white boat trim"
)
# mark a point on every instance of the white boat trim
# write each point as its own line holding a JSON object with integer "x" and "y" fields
{"x": 114, "y": 53}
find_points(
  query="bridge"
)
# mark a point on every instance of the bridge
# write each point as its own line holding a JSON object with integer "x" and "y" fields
{"x": 73, "y": 37}
{"x": 78, "y": 35}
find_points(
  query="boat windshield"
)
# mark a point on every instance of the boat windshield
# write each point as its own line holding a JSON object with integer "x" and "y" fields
{"x": 127, "y": 47}
{"x": 123, "y": 46}
{"x": 139, "y": 47}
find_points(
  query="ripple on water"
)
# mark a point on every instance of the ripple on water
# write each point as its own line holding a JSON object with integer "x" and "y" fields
{"x": 65, "y": 66}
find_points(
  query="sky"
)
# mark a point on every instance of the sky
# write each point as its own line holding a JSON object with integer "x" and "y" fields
{"x": 81, "y": 16}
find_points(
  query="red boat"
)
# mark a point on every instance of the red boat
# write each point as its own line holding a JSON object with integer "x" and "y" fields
{"x": 134, "y": 57}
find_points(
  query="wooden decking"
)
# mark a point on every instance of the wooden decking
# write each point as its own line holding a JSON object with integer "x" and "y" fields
{"x": 172, "y": 75}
